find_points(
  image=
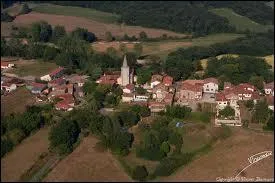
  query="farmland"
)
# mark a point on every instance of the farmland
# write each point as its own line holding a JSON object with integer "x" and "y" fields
{"x": 16, "y": 101}
{"x": 19, "y": 160}
{"x": 229, "y": 157}
{"x": 99, "y": 28}
{"x": 86, "y": 164}
{"x": 240, "y": 22}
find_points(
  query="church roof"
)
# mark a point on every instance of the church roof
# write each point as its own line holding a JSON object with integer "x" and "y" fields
{"x": 125, "y": 62}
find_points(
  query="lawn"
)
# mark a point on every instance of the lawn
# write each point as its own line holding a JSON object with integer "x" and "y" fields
{"x": 16, "y": 101}
{"x": 76, "y": 11}
{"x": 240, "y": 22}
{"x": 34, "y": 68}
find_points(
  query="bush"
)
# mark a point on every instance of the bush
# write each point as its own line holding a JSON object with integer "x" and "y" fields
{"x": 226, "y": 132}
{"x": 140, "y": 173}
{"x": 178, "y": 111}
{"x": 24, "y": 9}
{"x": 245, "y": 123}
{"x": 6, "y": 146}
{"x": 16, "y": 136}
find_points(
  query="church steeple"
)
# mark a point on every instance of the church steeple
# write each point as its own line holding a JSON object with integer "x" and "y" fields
{"x": 125, "y": 62}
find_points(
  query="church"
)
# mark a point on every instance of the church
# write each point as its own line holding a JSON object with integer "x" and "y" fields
{"x": 126, "y": 75}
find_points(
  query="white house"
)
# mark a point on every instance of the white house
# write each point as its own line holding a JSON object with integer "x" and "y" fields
{"x": 269, "y": 88}
{"x": 210, "y": 85}
{"x": 46, "y": 78}
{"x": 127, "y": 97}
{"x": 155, "y": 80}
{"x": 8, "y": 86}
{"x": 139, "y": 97}
{"x": 5, "y": 65}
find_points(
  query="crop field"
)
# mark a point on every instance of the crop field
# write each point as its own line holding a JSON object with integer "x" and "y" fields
{"x": 16, "y": 101}
{"x": 86, "y": 164}
{"x": 23, "y": 156}
{"x": 229, "y": 157}
{"x": 240, "y": 22}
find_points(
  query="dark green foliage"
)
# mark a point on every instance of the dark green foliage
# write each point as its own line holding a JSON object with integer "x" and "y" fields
{"x": 41, "y": 31}
{"x": 6, "y": 146}
{"x": 139, "y": 173}
{"x": 165, "y": 147}
{"x": 143, "y": 75}
{"x": 108, "y": 36}
{"x": 142, "y": 111}
{"x": 178, "y": 111}
{"x": 5, "y": 17}
{"x": 249, "y": 104}
{"x": 16, "y": 136}
{"x": 58, "y": 32}
{"x": 24, "y": 9}
{"x": 83, "y": 34}
{"x": 128, "y": 118}
{"x": 257, "y": 81}
{"x": 260, "y": 114}
{"x": 227, "y": 111}
{"x": 143, "y": 36}
{"x": 140, "y": 90}
{"x": 270, "y": 124}
{"x": 50, "y": 53}
{"x": 175, "y": 139}
{"x": 64, "y": 135}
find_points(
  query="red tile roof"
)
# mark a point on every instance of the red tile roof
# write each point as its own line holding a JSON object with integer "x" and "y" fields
{"x": 130, "y": 86}
{"x": 6, "y": 84}
{"x": 58, "y": 81}
{"x": 156, "y": 77}
{"x": 221, "y": 97}
{"x": 193, "y": 81}
{"x": 211, "y": 80}
{"x": 269, "y": 85}
{"x": 246, "y": 85}
{"x": 167, "y": 80}
{"x": 56, "y": 71}
{"x": 190, "y": 87}
{"x": 38, "y": 85}
{"x": 270, "y": 100}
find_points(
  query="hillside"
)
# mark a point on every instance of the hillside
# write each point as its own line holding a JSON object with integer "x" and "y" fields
{"x": 241, "y": 23}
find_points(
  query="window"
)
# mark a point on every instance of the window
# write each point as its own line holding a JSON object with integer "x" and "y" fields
{"x": 211, "y": 89}
{"x": 207, "y": 89}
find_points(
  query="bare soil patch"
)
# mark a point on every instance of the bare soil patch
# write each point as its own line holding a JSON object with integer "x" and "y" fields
{"x": 71, "y": 22}
{"x": 230, "y": 156}
{"x": 86, "y": 164}
{"x": 22, "y": 157}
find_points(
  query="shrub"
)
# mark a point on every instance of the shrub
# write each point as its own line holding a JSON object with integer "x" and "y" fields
{"x": 226, "y": 132}
{"x": 245, "y": 123}
{"x": 16, "y": 136}
{"x": 140, "y": 173}
{"x": 6, "y": 146}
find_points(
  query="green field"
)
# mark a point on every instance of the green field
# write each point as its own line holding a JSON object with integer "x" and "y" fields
{"x": 240, "y": 22}
{"x": 75, "y": 11}
{"x": 37, "y": 69}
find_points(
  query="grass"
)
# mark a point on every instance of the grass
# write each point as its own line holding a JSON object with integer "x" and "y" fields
{"x": 240, "y": 22}
{"x": 37, "y": 68}
{"x": 76, "y": 11}
{"x": 269, "y": 59}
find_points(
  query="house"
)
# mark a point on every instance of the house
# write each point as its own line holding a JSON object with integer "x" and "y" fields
{"x": 59, "y": 90}
{"x": 109, "y": 78}
{"x": 269, "y": 88}
{"x": 78, "y": 91}
{"x": 8, "y": 86}
{"x": 155, "y": 80}
{"x": 56, "y": 82}
{"x": 270, "y": 102}
{"x": 210, "y": 85}
{"x": 168, "y": 99}
{"x": 54, "y": 74}
{"x": 41, "y": 98}
{"x": 159, "y": 92}
{"x": 227, "y": 85}
{"x": 129, "y": 88}
{"x": 127, "y": 97}
{"x": 67, "y": 103}
{"x": 37, "y": 88}
{"x": 188, "y": 92}
{"x": 156, "y": 106}
{"x": 76, "y": 79}
{"x": 167, "y": 80}
{"x": 70, "y": 88}
{"x": 247, "y": 86}
{"x": 5, "y": 65}
{"x": 140, "y": 97}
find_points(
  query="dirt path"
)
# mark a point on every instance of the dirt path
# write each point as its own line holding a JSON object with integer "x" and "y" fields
{"x": 229, "y": 157}
{"x": 15, "y": 163}
{"x": 86, "y": 164}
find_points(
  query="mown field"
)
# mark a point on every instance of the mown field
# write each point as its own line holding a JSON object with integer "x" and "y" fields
{"x": 23, "y": 156}
{"x": 240, "y": 22}
{"x": 269, "y": 59}
{"x": 76, "y": 11}
{"x": 229, "y": 157}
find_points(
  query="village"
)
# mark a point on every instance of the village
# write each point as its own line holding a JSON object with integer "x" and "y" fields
{"x": 160, "y": 92}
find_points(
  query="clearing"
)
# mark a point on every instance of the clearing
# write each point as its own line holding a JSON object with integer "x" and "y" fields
{"x": 86, "y": 164}
{"x": 16, "y": 101}
{"x": 229, "y": 157}
{"x": 99, "y": 28}
{"x": 241, "y": 23}
{"x": 23, "y": 156}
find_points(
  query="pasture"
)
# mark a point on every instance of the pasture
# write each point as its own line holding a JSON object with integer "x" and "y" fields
{"x": 240, "y": 22}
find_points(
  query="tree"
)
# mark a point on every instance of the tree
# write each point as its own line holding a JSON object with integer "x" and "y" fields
{"x": 24, "y": 9}
{"x": 257, "y": 81}
{"x": 143, "y": 36}
{"x": 140, "y": 90}
{"x": 112, "y": 52}
{"x": 249, "y": 104}
{"x": 6, "y": 146}
{"x": 64, "y": 135}
{"x": 227, "y": 111}
{"x": 175, "y": 139}
{"x": 50, "y": 53}
{"x": 16, "y": 136}
{"x": 45, "y": 31}
{"x": 143, "y": 75}
{"x": 5, "y": 17}
{"x": 58, "y": 32}
{"x": 261, "y": 113}
{"x": 108, "y": 36}
{"x": 165, "y": 147}
{"x": 178, "y": 111}
{"x": 138, "y": 49}
{"x": 123, "y": 48}
{"x": 140, "y": 173}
